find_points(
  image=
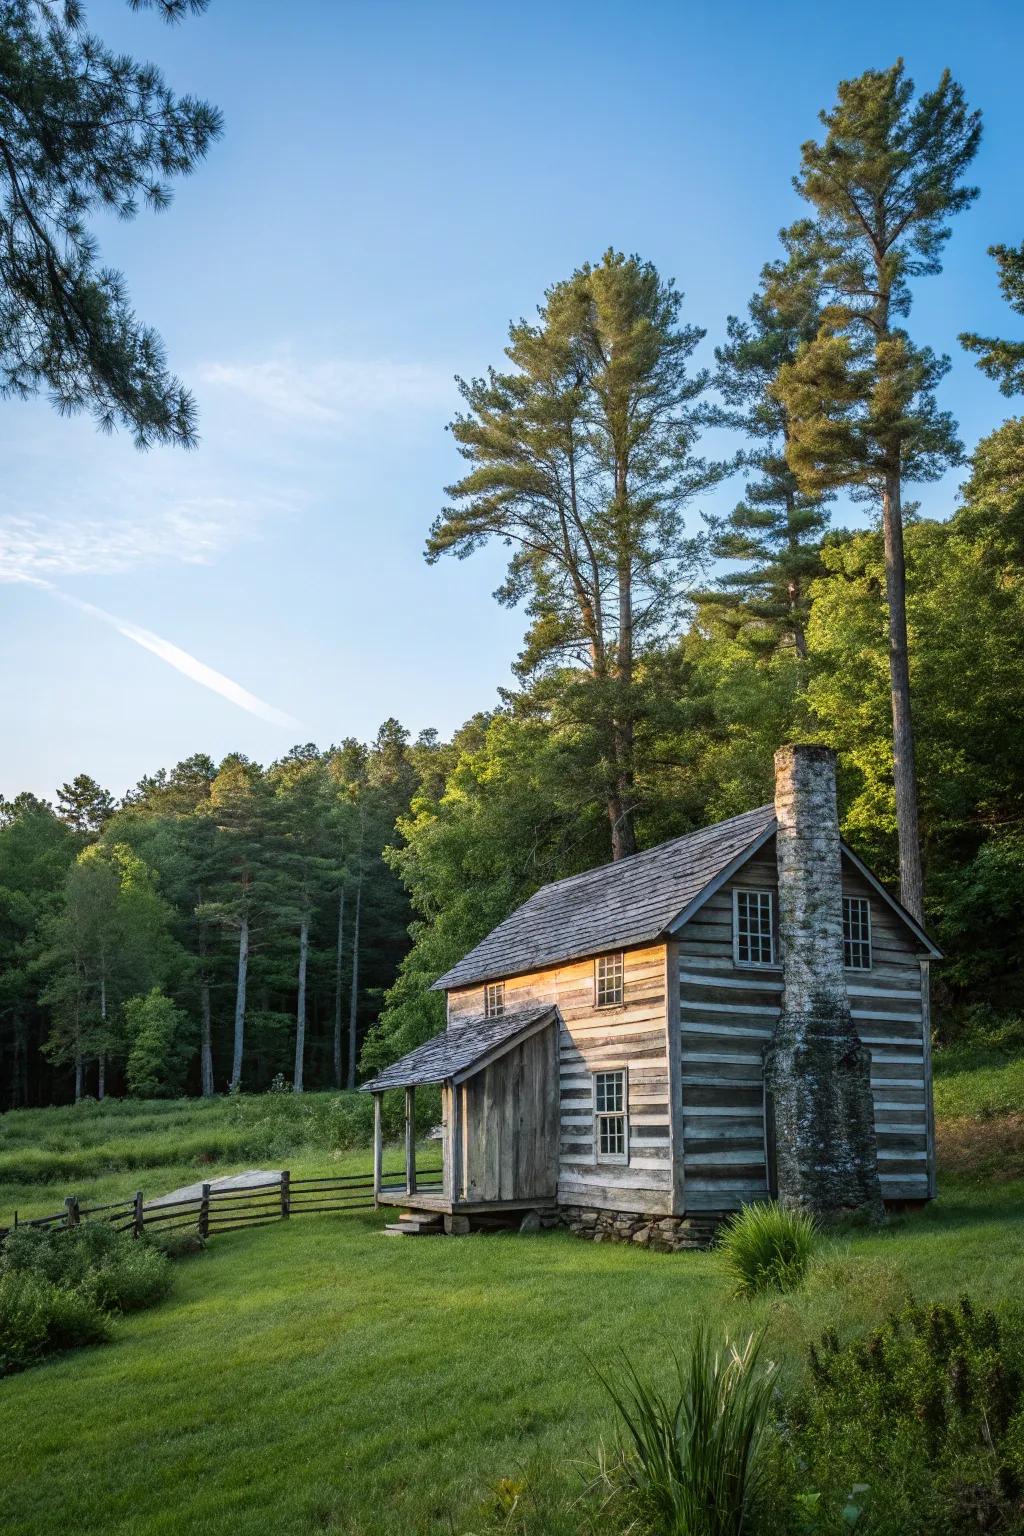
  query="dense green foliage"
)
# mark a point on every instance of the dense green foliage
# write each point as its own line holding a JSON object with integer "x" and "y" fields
{"x": 86, "y": 131}
{"x": 224, "y": 923}
{"x": 924, "y": 1419}
{"x": 57, "y": 1288}
{"x": 767, "y": 1248}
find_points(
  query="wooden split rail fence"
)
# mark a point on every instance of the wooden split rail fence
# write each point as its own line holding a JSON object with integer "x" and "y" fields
{"x": 224, "y": 1210}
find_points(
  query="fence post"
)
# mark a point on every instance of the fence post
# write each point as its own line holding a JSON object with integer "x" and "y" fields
{"x": 286, "y": 1193}
{"x": 204, "y": 1212}
{"x": 138, "y": 1215}
{"x": 71, "y": 1215}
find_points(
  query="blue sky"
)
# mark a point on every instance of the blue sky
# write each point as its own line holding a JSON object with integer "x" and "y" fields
{"x": 396, "y": 181}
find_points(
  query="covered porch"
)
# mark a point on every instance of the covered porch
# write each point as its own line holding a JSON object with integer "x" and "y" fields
{"x": 499, "y": 1119}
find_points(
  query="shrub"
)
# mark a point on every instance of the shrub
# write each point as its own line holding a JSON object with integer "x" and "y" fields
{"x": 693, "y": 1457}
{"x": 109, "y": 1268}
{"x": 927, "y": 1411}
{"x": 159, "y": 1045}
{"x": 38, "y": 1318}
{"x": 767, "y": 1247}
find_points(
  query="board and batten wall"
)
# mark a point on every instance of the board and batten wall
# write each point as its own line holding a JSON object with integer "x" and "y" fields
{"x": 727, "y": 1014}
{"x": 632, "y": 1035}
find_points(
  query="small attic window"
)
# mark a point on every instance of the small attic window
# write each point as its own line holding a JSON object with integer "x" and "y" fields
{"x": 753, "y": 930}
{"x": 608, "y": 980}
{"x": 856, "y": 933}
{"x": 494, "y": 999}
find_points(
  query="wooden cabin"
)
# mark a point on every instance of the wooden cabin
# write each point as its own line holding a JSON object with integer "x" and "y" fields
{"x": 604, "y": 1050}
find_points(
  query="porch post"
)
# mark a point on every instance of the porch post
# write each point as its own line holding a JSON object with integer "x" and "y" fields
{"x": 410, "y": 1141}
{"x": 455, "y": 1144}
{"x": 378, "y": 1146}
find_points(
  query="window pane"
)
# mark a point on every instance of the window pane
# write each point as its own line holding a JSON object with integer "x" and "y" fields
{"x": 612, "y": 1135}
{"x": 494, "y": 999}
{"x": 609, "y": 1092}
{"x": 856, "y": 933}
{"x": 754, "y": 928}
{"x": 608, "y": 973}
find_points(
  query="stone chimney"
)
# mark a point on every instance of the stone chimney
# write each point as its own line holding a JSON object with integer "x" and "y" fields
{"x": 817, "y": 1069}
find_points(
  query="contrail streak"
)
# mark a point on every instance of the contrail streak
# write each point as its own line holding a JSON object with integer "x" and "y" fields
{"x": 174, "y": 656}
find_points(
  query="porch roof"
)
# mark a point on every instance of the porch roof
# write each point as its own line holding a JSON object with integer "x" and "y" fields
{"x": 457, "y": 1049}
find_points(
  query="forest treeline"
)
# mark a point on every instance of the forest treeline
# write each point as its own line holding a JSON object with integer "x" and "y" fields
{"x": 229, "y": 925}
{"x": 223, "y": 925}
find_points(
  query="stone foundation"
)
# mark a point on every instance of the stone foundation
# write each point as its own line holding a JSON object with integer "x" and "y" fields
{"x": 665, "y": 1234}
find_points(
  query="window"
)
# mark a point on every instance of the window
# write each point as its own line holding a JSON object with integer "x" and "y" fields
{"x": 611, "y": 1129}
{"x": 494, "y": 999}
{"x": 753, "y": 940}
{"x": 607, "y": 980}
{"x": 856, "y": 933}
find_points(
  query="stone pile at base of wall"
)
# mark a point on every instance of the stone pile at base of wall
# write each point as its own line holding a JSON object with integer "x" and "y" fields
{"x": 665, "y": 1234}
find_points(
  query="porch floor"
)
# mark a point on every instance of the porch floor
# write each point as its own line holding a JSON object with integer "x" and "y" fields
{"x": 436, "y": 1200}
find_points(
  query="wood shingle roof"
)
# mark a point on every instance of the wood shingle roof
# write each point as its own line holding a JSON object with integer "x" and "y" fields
{"x": 457, "y": 1048}
{"x": 633, "y": 901}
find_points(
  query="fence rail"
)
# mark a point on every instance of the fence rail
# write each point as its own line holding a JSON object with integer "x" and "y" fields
{"x": 222, "y": 1210}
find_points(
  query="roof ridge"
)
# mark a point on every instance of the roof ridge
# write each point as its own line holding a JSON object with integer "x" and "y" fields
{"x": 629, "y": 859}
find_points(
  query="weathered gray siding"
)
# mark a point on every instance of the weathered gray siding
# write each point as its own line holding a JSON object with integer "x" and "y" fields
{"x": 633, "y": 1036}
{"x": 728, "y": 1013}
{"x": 510, "y": 1124}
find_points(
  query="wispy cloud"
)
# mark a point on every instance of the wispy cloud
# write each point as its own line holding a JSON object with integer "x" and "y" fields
{"x": 192, "y": 533}
{"x": 182, "y": 661}
{"x": 333, "y": 392}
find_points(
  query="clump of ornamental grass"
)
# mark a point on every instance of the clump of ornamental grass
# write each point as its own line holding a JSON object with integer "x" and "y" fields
{"x": 767, "y": 1248}
{"x": 692, "y": 1456}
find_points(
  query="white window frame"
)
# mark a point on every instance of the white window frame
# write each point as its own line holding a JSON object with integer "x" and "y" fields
{"x": 754, "y": 890}
{"x": 494, "y": 999}
{"x": 860, "y": 969}
{"x": 600, "y": 960}
{"x": 620, "y": 1159}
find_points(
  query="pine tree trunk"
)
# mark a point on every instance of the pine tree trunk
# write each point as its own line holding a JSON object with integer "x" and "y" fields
{"x": 338, "y": 954}
{"x": 354, "y": 994}
{"x": 904, "y": 771}
{"x": 101, "y": 1077}
{"x": 621, "y": 801}
{"x": 300, "y": 1007}
{"x": 78, "y": 1077}
{"x": 243, "y": 974}
{"x": 206, "y": 1040}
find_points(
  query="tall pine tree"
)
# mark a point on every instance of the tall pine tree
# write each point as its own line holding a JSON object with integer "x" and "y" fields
{"x": 775, "y": 531}
{"x": 884, "y": 182}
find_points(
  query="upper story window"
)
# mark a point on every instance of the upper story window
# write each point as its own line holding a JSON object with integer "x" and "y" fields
{"x": 856, "y": 933}
{"x": 753, "y": 927}
{"x": 608, "y": 980}
{"x": 611, "y": 1127}
{"x": 494, "y": 999}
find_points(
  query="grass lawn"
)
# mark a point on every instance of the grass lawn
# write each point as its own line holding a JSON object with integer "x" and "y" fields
{"x": 316, "y": 1376}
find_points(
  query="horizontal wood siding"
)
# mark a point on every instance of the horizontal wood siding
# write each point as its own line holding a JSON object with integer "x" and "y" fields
{"x": 591, "y": 1039}
{"x": 727, "y": 1015}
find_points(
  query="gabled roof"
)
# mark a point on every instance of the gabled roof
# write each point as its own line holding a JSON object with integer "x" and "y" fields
{"x": 633, "y": 901}
{"x": 460, "y": 1048}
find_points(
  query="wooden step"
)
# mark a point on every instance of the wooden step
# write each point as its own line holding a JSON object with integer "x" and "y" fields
{"x": 413, "y": 1224}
